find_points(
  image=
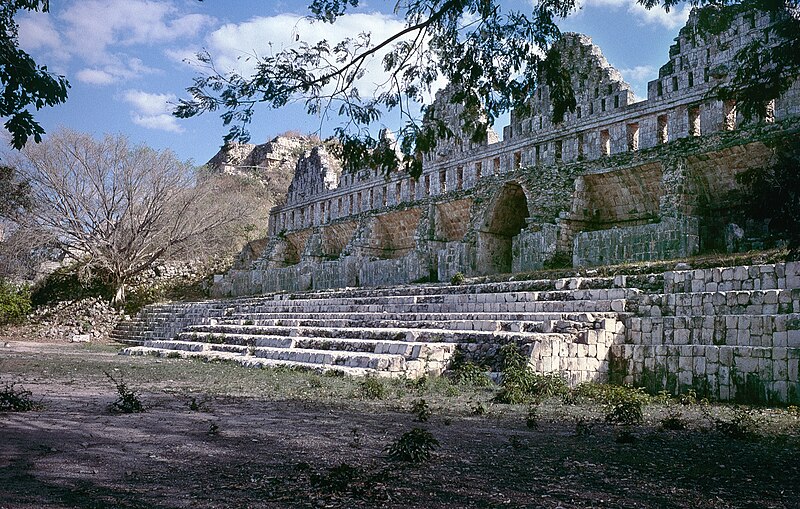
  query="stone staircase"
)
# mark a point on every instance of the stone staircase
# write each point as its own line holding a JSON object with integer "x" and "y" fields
{"x": 565, "y": 326}
{"x": 727, "y": 333}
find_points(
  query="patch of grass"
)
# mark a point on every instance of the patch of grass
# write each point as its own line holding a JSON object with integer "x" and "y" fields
{"x": 415, "y": 446}
{"x": 16, "y": 400}
{"x": 128, "y": 401}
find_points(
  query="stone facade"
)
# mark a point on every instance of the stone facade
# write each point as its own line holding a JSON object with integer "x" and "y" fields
{"x": 616, "y": 181}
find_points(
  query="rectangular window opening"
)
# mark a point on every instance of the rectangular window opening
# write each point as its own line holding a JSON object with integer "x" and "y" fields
{"x": 605, "y": 142}
{"x": 398, "y": 188}
{"x": 633, "y": 137}
{"x": 691, "y": 79}
{"x": 663, "y": 129}
{"x": 385, "y": 196}
{"x": 459, "y": 178}
{"x": 412, "y": 189}
{"x": 559, "y": 150}
{"x": 496, "y": 164}
{"x": 602, "y": 105}
{"x": 478, "y": 170}
{"x": 674, "y": 83}
{"x": 517, "y": 160}
{"x": 694, "y": 121}
{"x": 538, "y": 151}
{"x": 659, "y": 89}
{"x": 616, "y": 101}
{"x": 443, "y": 181}
{"x": 729, "y": 115}
{"x": 427, "y": 185}
{"x": 580, "y": 147}
{"x": 578, "y": 112}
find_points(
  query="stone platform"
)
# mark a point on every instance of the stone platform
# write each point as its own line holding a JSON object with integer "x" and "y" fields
{"x": 722, "y": 332}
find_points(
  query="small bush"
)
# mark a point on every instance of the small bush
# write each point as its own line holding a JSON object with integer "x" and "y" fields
{"x": 479, "y": 408}
{"x": 625, "y": 406}
{"x": 16, "y": 400}
{"x": 372, "y": 387}
{"x": 471, "y": 374}
{"x": 520, "y": 384}
{"x": 532, "y": 418}
{"x": 128, "y": 401}
{"x": 15, "y": 303}
{"x": 458, "y": 279}
{"x": 420, "y": 408}
{"x": 741, "y": 424}
{"x": 674, "y": 421}
{"x": 414, "y": 446}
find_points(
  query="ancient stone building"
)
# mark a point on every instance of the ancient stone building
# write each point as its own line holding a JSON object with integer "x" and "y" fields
{"x": 616, "y": 181}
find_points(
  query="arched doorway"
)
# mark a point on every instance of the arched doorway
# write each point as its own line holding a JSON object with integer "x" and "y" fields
{"x": 505, "y": 219}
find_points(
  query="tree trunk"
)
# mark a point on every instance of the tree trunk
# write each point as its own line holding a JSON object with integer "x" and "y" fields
{"x": 119, "y": 296}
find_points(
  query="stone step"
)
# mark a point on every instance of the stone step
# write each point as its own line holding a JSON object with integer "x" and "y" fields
{"x": 446, "y": 299}
{"x": 385, "y": 334}
{"x": 258, "y": 362}
{"x": 243, "y": 343}
{"x": 737, "y": 302}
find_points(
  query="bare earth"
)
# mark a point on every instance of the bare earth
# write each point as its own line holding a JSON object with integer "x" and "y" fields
{"x": 284, "y": 439}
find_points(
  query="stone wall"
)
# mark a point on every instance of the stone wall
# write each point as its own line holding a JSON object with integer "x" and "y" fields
{"x": 727, "y": 333}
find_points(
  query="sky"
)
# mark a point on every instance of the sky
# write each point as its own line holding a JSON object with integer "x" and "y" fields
{"x": 129, "y": 61}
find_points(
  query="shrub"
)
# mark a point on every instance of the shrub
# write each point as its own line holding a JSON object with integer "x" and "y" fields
{"x": 16, "y": 400}
{"x": 15, "y": 303}
{"x": 520, "y": 384}
{"x": 414, "y": 446}
{"x": 673, "y": 421}
{"x": 420, "y": 408}
{"x": 372, "y": 387}
{"x": 469, "y": 373}
{"x": 625, "y": 406}
{"x": 65, "y": 284}
{"x": 532, "y": 419}
{"x": 458, "y": 279}
{"x": 128, "y": 401}
{"x": 741, "y": 424}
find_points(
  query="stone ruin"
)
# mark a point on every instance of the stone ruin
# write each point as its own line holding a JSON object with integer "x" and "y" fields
{"x": 616, "y": 181}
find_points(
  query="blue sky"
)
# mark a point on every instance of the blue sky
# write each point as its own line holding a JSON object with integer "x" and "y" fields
{"x": 126, "y": 59}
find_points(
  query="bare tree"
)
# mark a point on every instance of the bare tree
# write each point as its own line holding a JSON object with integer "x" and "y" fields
{"x": 116, "y": 209}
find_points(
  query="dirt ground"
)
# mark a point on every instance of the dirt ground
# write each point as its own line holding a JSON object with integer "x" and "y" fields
{"x": 266, "y": 438}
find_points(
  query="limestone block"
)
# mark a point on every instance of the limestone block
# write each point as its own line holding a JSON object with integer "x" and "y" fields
{"x": 793, "y": 338}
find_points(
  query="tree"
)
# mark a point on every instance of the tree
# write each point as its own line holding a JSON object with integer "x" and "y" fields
{"x": 23, "y": 83}
{"x": 495, "y": 57}
{"x": 115, "y": 209}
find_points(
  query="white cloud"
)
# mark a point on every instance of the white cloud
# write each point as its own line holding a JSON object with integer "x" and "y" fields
{"x": 161, "y": 122}
{"x": 671, "y": 20}
{"x": 92, "y": 26}
{"x": 116, "y": 71}
{"x": 102, "y": 35}
{"x": 639, "y": 74}
{"x": 95, "y": 77}
{"x": 152, "y": 111}
{"x": 37, "y": 32}
{"x": 233, "y": 45}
